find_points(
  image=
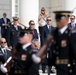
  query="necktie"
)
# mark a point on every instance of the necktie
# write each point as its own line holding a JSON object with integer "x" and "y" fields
{"x": 33, "y": 31}
{"x": 49, "y": 28}
{"x": 5, "y": 52}
{"x": 72, "y": 25}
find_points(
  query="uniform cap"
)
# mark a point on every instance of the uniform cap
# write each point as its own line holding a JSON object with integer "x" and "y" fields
{"x": 15, "y": 18}
{"x": 22, "y": 32}
{"x": 60, "y": 14}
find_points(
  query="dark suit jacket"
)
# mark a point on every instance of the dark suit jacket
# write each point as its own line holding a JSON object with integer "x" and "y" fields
{"x": 7, "y": 55}
{"x": 70, "y": 26}
{"x": 35, "y": 35}
{"x": 44, "y": 31}
{"x": 13, "y": 35}
{"x": 3, "y": 27}
{"x": 4, "y": 57}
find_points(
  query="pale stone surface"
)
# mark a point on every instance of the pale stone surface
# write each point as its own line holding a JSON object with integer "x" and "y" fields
{"x": 5, "y": 6}
{"x": 29, "y": 10}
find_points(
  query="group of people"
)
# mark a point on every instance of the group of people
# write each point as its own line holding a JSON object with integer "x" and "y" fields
{"x": 60, "y": 51}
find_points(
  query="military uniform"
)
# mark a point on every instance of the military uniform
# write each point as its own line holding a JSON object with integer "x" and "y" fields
{"x": 22, "y": 63}
{"x": 64, "y": 48}
{"x": 13, "y": 35}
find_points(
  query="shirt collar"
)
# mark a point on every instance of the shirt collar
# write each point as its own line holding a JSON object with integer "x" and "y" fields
{"x": 48, "y": 25}
{"x": 26, "y": 45}
{"x": 63, "y": 29}
{"x": 73, "y": 23}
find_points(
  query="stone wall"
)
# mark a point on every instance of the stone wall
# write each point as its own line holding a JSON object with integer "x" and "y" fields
{"x": 5, "y": 6}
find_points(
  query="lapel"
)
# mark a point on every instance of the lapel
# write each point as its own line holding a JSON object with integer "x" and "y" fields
{"x": 3, "y": 20}
{"x": 28, "y": 49}
{"x": 66, "y": 31}
{"x": 1, "y": 50}
{"x": 46, "y": 28}
{"x": 70, "y": 26}
{"x": 52, "y": 29}
{"x": 75, "y": 25}
{"x": 15, "y": 28}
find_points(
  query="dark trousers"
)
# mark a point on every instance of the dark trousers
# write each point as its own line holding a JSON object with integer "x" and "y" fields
{"x": 2, "y": 73}
{"x": 43, "y": 67}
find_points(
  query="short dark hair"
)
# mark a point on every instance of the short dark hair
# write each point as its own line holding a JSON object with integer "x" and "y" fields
{"x": 73, "y": 16}
{"x": 30, "y": 21}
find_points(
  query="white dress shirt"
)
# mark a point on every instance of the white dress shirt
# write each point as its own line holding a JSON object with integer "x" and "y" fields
{"x": 3, "y": 50}
{"x": 5, "y": 20}
{"x": 62, "y": 30}
{"x": 26, "y": 45}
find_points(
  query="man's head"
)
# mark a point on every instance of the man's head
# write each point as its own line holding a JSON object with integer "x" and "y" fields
{"x": 48, "y": 20}
{"x": 4, "y": 15}
{"x": 31, "y": 24}
{"x": 72, "y": 18}
{"x": 43, "y": 10}
{"x": 25, "y": 36}
{"x": 15, "y": 20}
{"x": 3, "y": 42}
{"x": 62, "y": 18}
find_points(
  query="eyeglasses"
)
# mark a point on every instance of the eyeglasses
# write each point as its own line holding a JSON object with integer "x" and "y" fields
{"x": 72, "y": 18}
{"x": 32, "y": 24}
{"x": 48, "y": 19}
{"x": 42, "y": 10}
{"x": 3, "y": 42}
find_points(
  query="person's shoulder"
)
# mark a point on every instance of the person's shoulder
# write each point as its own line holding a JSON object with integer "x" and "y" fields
{"x": 20, "y": 27}
{"x": 55, "y": 30}
{"x": 53, "y": 27}
{"x": 69, "y": 24}
{"x": 7, "y": 18}
{"x": 11, "y": 26}
{"x": 35, "y": 29}
{"x": 1, "y": 19}
{"x": 45, "y": 26}
{"x": 72, "y": 31}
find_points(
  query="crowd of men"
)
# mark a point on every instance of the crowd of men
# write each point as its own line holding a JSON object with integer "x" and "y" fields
{"x": 60, "y": 50}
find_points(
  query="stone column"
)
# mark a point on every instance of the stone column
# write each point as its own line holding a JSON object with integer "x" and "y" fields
{"x": 28, "y": 10}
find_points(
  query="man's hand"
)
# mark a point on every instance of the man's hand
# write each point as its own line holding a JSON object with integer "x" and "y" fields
{"x": 3, "y": 68}
{"x": 4, "y": 24}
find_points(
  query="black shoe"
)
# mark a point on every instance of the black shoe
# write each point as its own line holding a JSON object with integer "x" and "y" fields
{"x": 43, "y": 71}
{"x": 52, "y": 71}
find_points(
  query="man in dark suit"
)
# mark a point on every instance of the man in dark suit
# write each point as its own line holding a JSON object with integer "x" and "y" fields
{"x": 72, "y": 24}
{"x": 32, "y": 27}
{"x": 14, "y": 33}
{"x": 5, "y": 52}
{"x": 46, "y": 30}
{"x": 4, "y": 23}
